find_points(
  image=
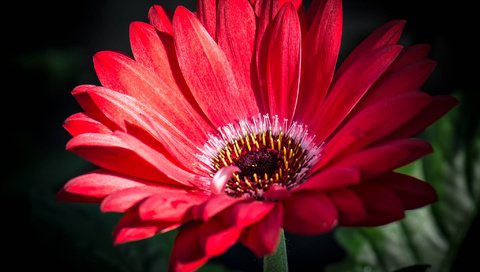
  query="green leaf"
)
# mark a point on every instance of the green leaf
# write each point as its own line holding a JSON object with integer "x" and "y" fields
{"x": 431, "y": 235}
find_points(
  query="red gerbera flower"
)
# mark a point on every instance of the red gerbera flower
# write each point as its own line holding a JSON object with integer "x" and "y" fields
{"x": 232, "y": 123}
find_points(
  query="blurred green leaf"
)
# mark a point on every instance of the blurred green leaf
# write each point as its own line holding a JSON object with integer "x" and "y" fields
{"x": 431, "y": 235}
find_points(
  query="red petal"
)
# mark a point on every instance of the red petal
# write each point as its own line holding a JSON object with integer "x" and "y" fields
{"x": 216, "y": 236}
{"x": 309, "y": 213}
{"x": 123, "y": 200}
{"x": 266, "y": 11}
{"x": 131, "y": 228}
{"x": 413, "y": 192}
{"x": 438, "y": 107}
{"x": 374, "y": 123}
{"x": 120, "y": 73}
{"x": 349, "y": 89}
{"x": 407, "y": 79}
{"x": 159, "y": 19}
{"x": 207, "y": 15}
{"x": 156, "y": 51}
{"x": 331, "y": 178}
{"x": 187, "y": 255}
{"x": 102, "y": 183}
{"x": 125, "y": 154}
{"x": 283, "y": 63}
{"x": 238, "y": 42}
{"x": 381, "y": 204}
{"x": 383, "y": 158}
{"x": 170, "y": 206}
{"x": 387, "y": 34}
{"x": 350, "y": 207}
{"x": 213, "y": 206}
{"x": 248, "y": 213}
{"x": 210, "y": 75}
{"x": 65, "y": 196}
{"x": 80, "y": 123}
{"x": 137, "y": 119}
{"x": 322, "y": 45}
{"x": 263, "y": 237}
{"x": 411, "y": 55}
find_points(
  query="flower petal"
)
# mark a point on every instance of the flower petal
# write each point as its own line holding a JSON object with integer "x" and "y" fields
{"x": 363, "y": 129}
{"x": 156, "y": 51}
{"x": 159, "y": 19}
{"x": 331, "y": 178}
{"x": 215, "y": 205}
{"x": 125, "y": 199}
{"x": 122, "y": 153}
{"x": 210, "y": 75}
{"x": 80, "y": 123}
{"x": 350, "y": 207}
{"x": 322, "y": 45}
{"x": 283, "y": 62}
{"x": 350, "y": 88}
{"x": 238, "y": 42}
{"x": 216, "y": 236}
{"x": 387, "y": 34}
{"x": 309, "y": 213}
{"x": 383, "y": 158}
{"x": 170, "y": 206}
{"x": 263, "y": 237}
{"x": 438, "y": 107}
{"x": 131, "y": 228}
{"x": 120, "y": 73}
{"x": 207, "y": 15}
{"x": 412, "y": 192}
{"x": 139, "y": 120}
{"x": 248, "y": 213}
{"x": 101, "y": 183}
{"x": 411, "y": 54}
{"x": 381, "y": 204}
{"x": 187, "y": 254}
{"x": 407, "y": 79}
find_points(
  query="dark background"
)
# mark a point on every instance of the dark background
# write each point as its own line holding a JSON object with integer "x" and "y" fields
{"x": 48, "y": 48}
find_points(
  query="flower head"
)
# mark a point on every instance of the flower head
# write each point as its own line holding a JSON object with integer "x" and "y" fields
{"x": 232, "y": 123}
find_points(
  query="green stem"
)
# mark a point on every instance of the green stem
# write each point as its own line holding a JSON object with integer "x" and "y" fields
{"x": 277, "y": 262}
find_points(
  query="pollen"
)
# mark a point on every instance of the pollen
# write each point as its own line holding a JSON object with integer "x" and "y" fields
{"x": 267, "y": 153}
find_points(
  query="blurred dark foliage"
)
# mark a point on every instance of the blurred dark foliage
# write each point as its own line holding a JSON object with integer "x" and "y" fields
{"x": 49, "y": 46}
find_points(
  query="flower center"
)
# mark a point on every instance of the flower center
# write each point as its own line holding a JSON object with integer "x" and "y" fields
{"x": 266, "y": 152}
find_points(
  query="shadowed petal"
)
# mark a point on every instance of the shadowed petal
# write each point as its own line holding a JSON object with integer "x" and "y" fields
{"x": 159, "y": 19}
{"x": 283, "y": 63}
{"x": 412, "y": 192}
{"x": 309, "y": 213}
{"x": 350, "y": 207}
{"x": 331, "y": 178}
{"x": 350, "y": 88}
{"x": 322, "y": 45}
{"x": 262, "y": 238}
{"x": 238, "y": 43}
{"x": 207, "y": 15}
{"x": 381, "y": 204}
{"x": 187, "y": 254}
{"x": 438, "y": 107}
{"x": 131, "y": 228}
{"x": 364, "y": 129}
{"x": 387, "y": 34}
{"x": 382, "y": 158}
{"x": 170, "y": 206}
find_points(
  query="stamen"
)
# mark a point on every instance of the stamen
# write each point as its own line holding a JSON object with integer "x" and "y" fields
{"x": 248, "y": 158}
